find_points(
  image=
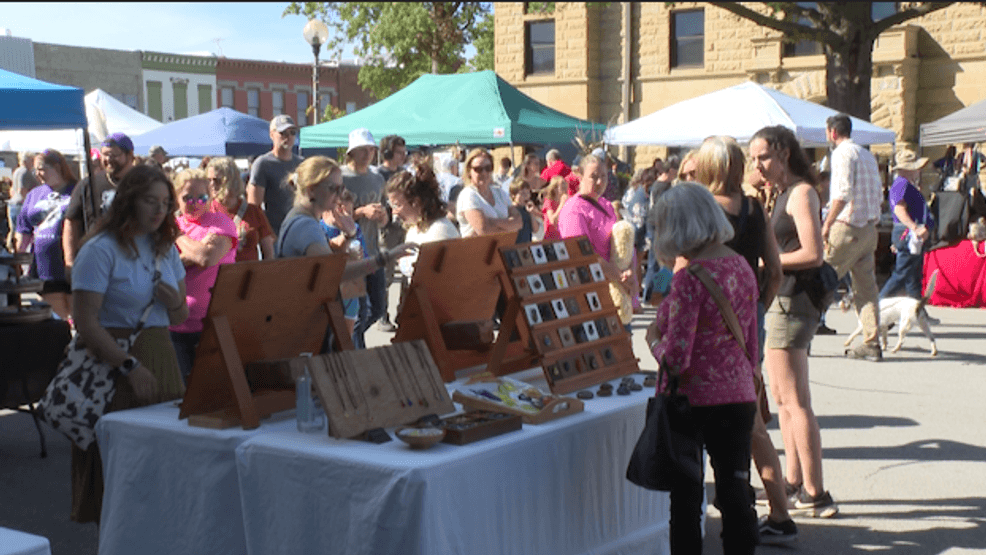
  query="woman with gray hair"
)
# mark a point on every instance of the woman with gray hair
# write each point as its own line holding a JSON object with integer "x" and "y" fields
{"x": 690, "y": 338}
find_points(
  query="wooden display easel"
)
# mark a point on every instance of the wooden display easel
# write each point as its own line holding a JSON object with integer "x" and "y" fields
{"x": 261, "y": 312}
{"x": 559, "y": 297}
{"x": 456, "y": 284}
{"x": 378, "y": 388}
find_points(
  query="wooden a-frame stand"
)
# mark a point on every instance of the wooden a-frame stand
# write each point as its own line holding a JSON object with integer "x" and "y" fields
{"x": 457, "y": 283}
{"x": 261, "y": 311}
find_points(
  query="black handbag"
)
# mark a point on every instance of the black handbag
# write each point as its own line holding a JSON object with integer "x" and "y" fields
{"x": 669, "y": 447}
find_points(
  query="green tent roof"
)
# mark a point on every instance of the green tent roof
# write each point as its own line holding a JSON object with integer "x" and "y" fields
{"x": 471, "y": 108}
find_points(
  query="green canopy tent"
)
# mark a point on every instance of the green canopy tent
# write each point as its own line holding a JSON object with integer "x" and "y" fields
{"x": 471, "y": 108}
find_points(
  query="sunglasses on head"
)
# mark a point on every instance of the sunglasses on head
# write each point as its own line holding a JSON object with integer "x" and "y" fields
{"x": 200, "y": 199}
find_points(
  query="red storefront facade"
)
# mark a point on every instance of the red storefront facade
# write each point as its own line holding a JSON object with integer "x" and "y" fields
{"x": 266, "y": 89}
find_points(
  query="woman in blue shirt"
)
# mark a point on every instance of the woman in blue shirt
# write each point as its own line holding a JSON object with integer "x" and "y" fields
{"x": 127, "y": 262}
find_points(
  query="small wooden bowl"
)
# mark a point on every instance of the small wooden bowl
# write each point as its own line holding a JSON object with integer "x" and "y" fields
{"x": 420, "y": 438}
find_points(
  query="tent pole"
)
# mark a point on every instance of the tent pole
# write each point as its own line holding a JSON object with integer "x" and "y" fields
{"x": 92, "y": 195}
{"x": 513, "y": 159}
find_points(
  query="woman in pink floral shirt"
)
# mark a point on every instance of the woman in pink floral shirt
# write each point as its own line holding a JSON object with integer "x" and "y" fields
{"x": 690, "y": 336}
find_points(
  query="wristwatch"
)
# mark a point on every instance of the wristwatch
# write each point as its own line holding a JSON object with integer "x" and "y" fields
{"x": 129, "y": 365}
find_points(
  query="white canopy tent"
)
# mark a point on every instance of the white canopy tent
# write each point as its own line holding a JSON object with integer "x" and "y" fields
{"x": 105, "y": 114}
{"x": 967, "y": 125}
{"x": 739, "y": 112}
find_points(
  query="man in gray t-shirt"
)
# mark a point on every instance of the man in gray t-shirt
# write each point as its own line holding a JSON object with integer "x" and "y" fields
{"x": 269, "y": 174}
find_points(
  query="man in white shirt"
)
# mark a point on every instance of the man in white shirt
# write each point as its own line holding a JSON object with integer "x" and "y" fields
{"x": 849, "y": 230}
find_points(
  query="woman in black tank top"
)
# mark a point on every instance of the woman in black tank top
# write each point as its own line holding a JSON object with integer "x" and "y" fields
{"x": 792, "y": 319}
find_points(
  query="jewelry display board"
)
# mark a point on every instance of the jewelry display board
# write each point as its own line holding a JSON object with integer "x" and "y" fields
{"x": 380, "y": 387}
{"x": 562, "y": 295}
{"x": 456, "y": 283}
{"x": 261, "y": 311}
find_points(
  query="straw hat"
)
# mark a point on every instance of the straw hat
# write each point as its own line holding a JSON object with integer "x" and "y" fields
{"x": 907, "y": 160}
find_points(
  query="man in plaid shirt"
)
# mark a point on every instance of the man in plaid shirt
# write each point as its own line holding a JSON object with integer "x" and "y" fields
{"x": 849, "y": 230}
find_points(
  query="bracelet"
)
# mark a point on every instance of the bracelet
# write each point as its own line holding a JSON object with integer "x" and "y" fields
{"x": 653, "y": 344}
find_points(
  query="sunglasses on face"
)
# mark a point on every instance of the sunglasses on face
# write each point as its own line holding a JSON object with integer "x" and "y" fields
{"x": 485, "y": 168}
{"x": 288, "y": 133}
{"x": 200, "y": 199}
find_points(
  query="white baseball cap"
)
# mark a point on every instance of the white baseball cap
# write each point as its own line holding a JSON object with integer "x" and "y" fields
{"x": 360, "y": 137}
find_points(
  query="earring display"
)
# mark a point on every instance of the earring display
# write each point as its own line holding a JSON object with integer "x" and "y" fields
{"x": 504, "y": 394}
{"x": 564, "y": 296}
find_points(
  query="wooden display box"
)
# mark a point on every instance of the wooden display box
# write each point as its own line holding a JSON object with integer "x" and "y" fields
{"x": 561, "y": 294}
{"x": 558, "y": 408}
{"x": 478, "y": 425}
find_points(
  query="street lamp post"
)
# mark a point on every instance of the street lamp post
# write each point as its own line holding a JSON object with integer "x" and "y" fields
{"x": 315, "y": 33}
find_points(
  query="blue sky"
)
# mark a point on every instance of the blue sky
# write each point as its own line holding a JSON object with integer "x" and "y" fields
{"x": 245, "y": 30}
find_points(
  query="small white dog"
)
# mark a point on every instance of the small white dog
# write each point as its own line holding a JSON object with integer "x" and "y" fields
{"x": 903, "y": 311}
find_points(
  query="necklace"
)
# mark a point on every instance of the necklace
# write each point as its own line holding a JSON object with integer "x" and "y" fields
{"x": 394, "y": 375}
{"x": 413, "y": 378}
{"x": 427, "y": 370}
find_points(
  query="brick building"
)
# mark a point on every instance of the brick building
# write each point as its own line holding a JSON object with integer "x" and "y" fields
{"x": 577, "y": 59}
{"x": 266, "y": 89}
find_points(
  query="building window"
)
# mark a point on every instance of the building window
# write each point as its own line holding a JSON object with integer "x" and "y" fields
{"x": 253, "y": 102}
{"x": 277, "y": 102}
{"x": 350, "y": 107}
{"x": 688, "y": 38}
{"x": 180, "y": 91}
{"x": 205, "y": 98}
{"x": 154, "y": 100}
{"x": 882, "y": 10}
{"x": 302, "y": 118}
{"x": 539, "y": 48}
{"x": 226, "y": 97}
{"x": 325, "y": 100}
{"x": 804, "y": 47}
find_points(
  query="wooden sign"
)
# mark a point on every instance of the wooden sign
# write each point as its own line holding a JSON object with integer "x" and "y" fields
{"x": 562, "y": 296}
{"x": 261, "y": 311}
{"x": 453, "y": 293}
{"x": 379, "y": 387}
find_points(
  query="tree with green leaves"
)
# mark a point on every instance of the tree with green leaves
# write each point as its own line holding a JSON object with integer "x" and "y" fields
{"x": 400, "y": 41}
{"x": 847, "y": 33}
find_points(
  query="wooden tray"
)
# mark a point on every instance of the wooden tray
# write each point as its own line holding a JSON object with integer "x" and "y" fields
{"x": 478, "y": 425}
{"x": 558, "y": 408}
{"x": 17, "y": 259}
{"x": 25, "y": 285}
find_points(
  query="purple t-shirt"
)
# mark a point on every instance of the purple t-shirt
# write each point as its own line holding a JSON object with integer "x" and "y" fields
{"x": 198, "y": 280}
{"x": 41, "y": 216}
{"x": 580, "y": 217}
{"x": 902, "y": 189}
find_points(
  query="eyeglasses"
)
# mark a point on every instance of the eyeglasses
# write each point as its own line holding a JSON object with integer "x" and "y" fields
{"x": 200, "y": 199}
{"x": 486, "y": 168}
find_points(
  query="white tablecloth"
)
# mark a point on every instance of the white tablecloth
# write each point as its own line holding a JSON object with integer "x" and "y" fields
{"x": 552, "y": 488}
{"x": 13, "y": 542}
{"x": 170, "y": 488}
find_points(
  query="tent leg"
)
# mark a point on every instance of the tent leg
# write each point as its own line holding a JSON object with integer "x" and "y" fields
{"x": 513, "y": 160}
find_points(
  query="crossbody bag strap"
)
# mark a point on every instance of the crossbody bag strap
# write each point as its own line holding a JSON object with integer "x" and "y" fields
{"x": 150, "y": 306}
{"x": 732, "y": 322}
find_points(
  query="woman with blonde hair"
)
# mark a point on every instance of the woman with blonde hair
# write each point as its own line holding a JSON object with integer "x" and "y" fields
{"x": 720, "y": 166}
{"x": 552, "y": 200}
{"x": 229, "y": 198}
{"x": 481, "y": 208}
{"x": 317, "y": 185}
{"x": 208, "y": 239}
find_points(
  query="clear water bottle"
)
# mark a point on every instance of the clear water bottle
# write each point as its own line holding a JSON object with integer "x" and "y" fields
{"x": 304, "y": 404}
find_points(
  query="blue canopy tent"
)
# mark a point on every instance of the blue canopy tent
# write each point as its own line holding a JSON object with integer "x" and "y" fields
{"x": 221, "y": 132}
{"x": 27, "y": 103}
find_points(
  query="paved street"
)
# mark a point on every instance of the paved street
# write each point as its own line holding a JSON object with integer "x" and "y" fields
{"x": 904, "y": 450}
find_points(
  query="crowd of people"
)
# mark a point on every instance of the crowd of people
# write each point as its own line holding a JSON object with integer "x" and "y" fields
{"x": 762, "y": 224}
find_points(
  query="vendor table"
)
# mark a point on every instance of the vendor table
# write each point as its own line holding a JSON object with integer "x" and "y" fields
{"x": 170, "y": 488}
{"x": 13, "y": 542}
{"x": 557, "y": 487}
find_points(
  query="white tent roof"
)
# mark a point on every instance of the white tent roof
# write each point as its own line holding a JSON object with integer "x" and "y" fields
{"x": 105, "y": 115}
{"x": 967, "y": 125}
{"x": 739, "y": 112}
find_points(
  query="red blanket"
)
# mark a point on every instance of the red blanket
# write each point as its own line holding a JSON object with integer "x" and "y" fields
{"x": 961, "y": 280}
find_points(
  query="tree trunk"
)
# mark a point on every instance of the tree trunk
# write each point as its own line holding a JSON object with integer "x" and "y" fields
{"x": 847, "y": 80}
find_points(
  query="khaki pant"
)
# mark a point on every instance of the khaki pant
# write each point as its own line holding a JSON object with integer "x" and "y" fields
{"x": 851, "y": 249}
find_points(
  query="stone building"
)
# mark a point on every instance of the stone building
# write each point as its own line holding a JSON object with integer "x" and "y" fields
{"x": 577, "y": 58}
